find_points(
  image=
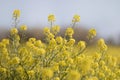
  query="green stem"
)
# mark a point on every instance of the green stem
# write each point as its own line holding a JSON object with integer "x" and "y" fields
{"x": 73, "y": 25}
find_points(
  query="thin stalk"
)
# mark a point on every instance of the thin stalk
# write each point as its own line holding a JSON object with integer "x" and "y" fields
{"x": 73, "y": 26}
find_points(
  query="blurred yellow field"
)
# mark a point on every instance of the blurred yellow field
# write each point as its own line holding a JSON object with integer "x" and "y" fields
{"x": 112, "y": 50}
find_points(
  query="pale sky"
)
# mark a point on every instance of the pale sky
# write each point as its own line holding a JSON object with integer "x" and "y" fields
{"x": 103, "y": 15}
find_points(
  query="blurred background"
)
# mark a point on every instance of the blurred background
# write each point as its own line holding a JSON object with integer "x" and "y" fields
{"x": 103, "y": 15}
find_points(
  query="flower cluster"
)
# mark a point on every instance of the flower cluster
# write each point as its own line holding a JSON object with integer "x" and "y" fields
{"x": 56, "y": 58}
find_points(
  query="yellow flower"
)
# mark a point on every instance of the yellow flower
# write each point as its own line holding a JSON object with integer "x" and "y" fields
{"x": 73, "y": 75}
{"x": 16, "y": 13}
{"x": 23, "y": 28}
{"x": 52, "y": 42}
{"x": 30, "y": 45}
{"x": 41, "y": 51}
{"x": 102, "y": 46}
{"x": 55, "y": 29}
{"x": 101, "y": 42}
{"x": 101, "y": 75}
{"x": 51, "y": 18}
{"x": 76, "y": 18}
{"x": 95, "y": 65}
{"x": 13, "y": 31}
{"x": 55, "y": 67}
{"x": 92, "y": 71}
{"x": 65, "y": 54}
{"x": 17, "y": 37}
{"x": 20, "y": 69}
{"x": 32, "y": 40}
{"x": 102, "y": 63}
{"x": 5, "y": 41}
{"x": 91, "y": 33}
{"x": 4, "y": 52}
{"x": 85, "y": 64}
{"x": 50, "y": 36}
{"x": 71, "y": 42}
{"x": 23, "y": 51}
{"x": 96, "y": 56}
{"x": 62, "y": 63}
{"x": 81, "y": 45}
{"x": 31, "y": 73}
{"x": 46, "y": 30}
{"x": 38, "y": 43}
{"x": 57, "y": 78}
{"x": 3, "y": 70}
{"x": 93, "y": 78}
{"x": 59, "y": 40}
{"x": 117, "y": 72}
{"x": 104, "y": 68}
{"x": 2, "y": 45}
{"x": 69, "y": 32}
{"x": 15, "y": 60}
{"x": 70, "y": 61}
{"x": 47, "y": 73}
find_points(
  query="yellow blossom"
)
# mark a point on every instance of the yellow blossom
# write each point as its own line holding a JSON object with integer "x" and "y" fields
{"x": 73, "y": 75}
{"x": 81, "y": 45}
{"x": 96, "y": 56}
{"x": 16, "y": 13}
{"x": 69, "y": 32}
{"x": 17, "y": 37}
{"x": 51, "y": 18}
{"x": 23, "y": 28}
{"x": 93, "y": 78}
{"x": 76, "y": 18}
{"x": 2, "y": 45}
{"x": 62, "y": 63}
{"x": 59, "y": 40}
{"x": 20, "y": 69}
{"x": 5, "y": 41}
{"x": 23, "y": 51}
{"x": 95, "y": 65}
{"x": 91, "y": 33}
{"x": 15, "y": 60}
{"x": 46, "y": 30}
{"x": 102, "y": 63}
{"x": 101, "y": 42}
{"x": 38, "y": 43}
{"x": 3, "y": 70}
{"x": 55, "y": 29}
{"x": 13, "y": 31}
{"x": 55, "y": 67}
{"x": 102, "y": 46}
{"x": 4, "y": 52}
{"x": 47, "y": 73}
{"x": 41, "y": 51}
{"x": 50, "y": 36}
{"x": 70, "y": 61}
{"x": 101, "y": 75}
{"x": 31, "y": 73}
{"x": 32, "y": 40}
{"x": 57, "y": 78}
{"x": 71, "y": 42}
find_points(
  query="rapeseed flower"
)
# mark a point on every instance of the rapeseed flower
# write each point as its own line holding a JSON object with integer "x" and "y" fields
{"x": 23, "y": 28}
{"x": 51, "y": 18}
{"x": 76, "y": 18}
{"x": 81, "y": 45}
{"x": 47, "y": 73}
{"x": 69, "y": 32}
{"x": 73, "y": 75}
{"x": 16, "y": 13}
{"x": 13, "y": 31}
{"x": 92, "y": 33}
